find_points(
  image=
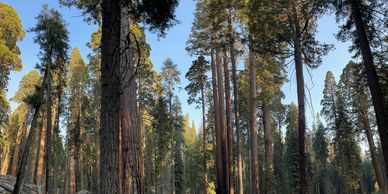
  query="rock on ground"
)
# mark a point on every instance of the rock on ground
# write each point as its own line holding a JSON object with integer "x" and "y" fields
{"x": 7, "y": 183}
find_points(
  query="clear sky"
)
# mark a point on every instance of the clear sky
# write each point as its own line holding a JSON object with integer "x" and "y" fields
{"x": 173, "y": 46}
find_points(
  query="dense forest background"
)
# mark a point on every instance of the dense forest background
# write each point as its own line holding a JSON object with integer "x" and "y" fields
{"x": 111, "y": 121}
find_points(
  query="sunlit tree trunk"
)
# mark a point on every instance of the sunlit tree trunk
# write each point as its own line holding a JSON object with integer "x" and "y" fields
{"x": 25, "y": 153}
{"x": 219, "y": 173}
{"x": 16, "y": 149}
{"x": 40, "y": 176}
{"x": 25, "y": 149}
{"x": 6, "y": 161}
{"x": 223, "y": 132}
{"x": 229, "y": 132}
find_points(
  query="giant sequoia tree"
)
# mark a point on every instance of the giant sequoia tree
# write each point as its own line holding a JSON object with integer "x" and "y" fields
{"x": 159, "y": 16}
{"x": 52, "y": 37}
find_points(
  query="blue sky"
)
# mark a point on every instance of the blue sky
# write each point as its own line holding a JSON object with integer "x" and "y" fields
{"x": 173, "y": 46}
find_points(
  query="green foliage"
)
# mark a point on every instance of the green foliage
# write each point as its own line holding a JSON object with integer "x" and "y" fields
{"x": 177, "y": 144}
{"x": 367, "y": 181}
{"x": 15, "y": 121}
{"x": 27, "y": 86}
{"x": 11, "y": 31}
{"x": 274, "y": 26}
{"x": 373, "y": 15}
{"x": 198, "y": 79}
{"x": 347, "y": 152}
{"x": 320, "y": 180}
{"x": 189, "y": 133}
{"x": 4, "y": 109}
{"x": 328, "y": 103}
{"x": 200, "y": 39}
{"x": 78, "y": 74}
{"x": 52, "y": 37}
{"x": 162, "y": 128}
{"x": 158, "y": 15}
{"x": 170, "y": 77}
{"x": 320, "y": 144}
{"x": 353, "y": 86}
{"x": 77, "y": 83}
{"x": 278, "y": 163}
{"x": 270, "y": 78}
{"x": 292, "y": 150}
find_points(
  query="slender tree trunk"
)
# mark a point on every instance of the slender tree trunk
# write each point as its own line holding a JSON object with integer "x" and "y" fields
{"x": 25, "y": 154}
{"x": 110, "y": 97}
{"x": 223, "y": 132}
{"x": 301, "y": 104}
{"x": 373, "y": 153}
{"x": 219, "y": 173}
{"x": 228, "y": 122}
{"x": 252, "y": 125}
{"x": 98, "y": 164}
{"x": 373, "y": 80}
{"x": 205, "y": 181}
{"x": 267, "y": 123}
{"x": 131, "y": 137}
{"x": 49, "y": 154}
{"x": 235, "y": 103}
